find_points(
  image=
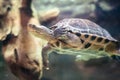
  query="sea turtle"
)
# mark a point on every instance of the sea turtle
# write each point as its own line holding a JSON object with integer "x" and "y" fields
{"x": 76, "y": 34}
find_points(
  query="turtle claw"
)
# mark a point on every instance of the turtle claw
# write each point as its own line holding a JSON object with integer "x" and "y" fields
{"x": 46, "y": 64}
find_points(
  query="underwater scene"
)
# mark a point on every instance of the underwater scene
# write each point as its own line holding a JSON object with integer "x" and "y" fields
{"x": 59, "y": 39}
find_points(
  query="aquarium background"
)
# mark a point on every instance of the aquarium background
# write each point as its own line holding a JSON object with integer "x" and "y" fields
{"x": 106, "y": 13}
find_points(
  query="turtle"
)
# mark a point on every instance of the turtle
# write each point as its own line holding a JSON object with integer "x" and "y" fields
{"x": 75, "y": 34}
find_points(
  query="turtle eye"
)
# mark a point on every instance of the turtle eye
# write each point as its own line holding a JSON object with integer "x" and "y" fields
{"x": 51, "y": 31}
{"x": 53, "y": 27}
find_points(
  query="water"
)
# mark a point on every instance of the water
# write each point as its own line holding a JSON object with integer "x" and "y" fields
{"x": 86, "y": 65}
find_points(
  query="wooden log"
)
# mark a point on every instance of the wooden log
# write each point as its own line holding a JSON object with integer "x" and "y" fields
{"x": 21, "y": 50}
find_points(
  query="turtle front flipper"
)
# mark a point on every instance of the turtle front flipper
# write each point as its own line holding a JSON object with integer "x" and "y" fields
{"x": 45, "y": 52}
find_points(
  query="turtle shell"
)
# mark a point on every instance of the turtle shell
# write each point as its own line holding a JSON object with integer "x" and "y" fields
{"x": 91, "y": 35}
{"x": 83, "y": 26}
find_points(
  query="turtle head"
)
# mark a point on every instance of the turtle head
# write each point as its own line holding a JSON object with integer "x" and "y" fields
{"x": 41, "y": 32}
